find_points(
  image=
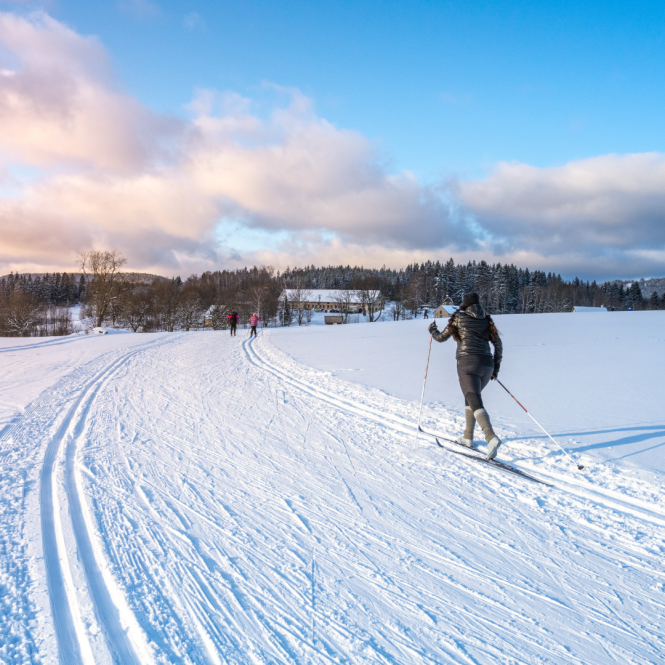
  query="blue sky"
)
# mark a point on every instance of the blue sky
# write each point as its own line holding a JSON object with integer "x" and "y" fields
{"x": 443, "y": 86}
{"x": 444, "y": 92}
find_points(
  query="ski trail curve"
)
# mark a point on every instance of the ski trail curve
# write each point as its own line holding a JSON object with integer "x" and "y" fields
{"x": 579, "y": 487}
{"x": 73, "y": 648}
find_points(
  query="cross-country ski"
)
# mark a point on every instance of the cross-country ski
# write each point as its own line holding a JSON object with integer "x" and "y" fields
{"x": 494, "y": 463}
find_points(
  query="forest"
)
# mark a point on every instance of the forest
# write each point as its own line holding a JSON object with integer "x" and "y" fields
{"x": 40, "y": 305}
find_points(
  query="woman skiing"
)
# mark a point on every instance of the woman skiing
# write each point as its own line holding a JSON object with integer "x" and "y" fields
{"x": 253, "y": 322}
{"x": 473, "y": 330}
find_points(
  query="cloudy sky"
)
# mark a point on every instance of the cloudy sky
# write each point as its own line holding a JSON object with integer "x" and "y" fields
{"x": 195, "y": 135}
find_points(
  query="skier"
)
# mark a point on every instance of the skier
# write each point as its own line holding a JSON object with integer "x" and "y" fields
{"x": 473, "y": 330}
{"x": 253, "y": 322}
{"x": 425, "y": 315}
{"x": 232, "y": 319}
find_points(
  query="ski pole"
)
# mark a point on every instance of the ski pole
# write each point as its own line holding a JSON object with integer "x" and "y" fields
{"x": 423, "y": 393}
{"x": 579, "y": 466}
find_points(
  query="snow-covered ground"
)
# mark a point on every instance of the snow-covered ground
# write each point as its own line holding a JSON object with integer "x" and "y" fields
{"x": 29, "y": 365}
{"x": 197, "y": 498}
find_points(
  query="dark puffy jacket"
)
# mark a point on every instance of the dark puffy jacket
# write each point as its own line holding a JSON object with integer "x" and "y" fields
{"x": 474, "y": 334}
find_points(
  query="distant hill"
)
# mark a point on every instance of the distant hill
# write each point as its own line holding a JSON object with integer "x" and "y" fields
{"x": 647, "y": 286}
{"x": 140, "y": 277}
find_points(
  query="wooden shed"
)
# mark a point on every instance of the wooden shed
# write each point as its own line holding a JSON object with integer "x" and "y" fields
{"x": 444, "y": 311}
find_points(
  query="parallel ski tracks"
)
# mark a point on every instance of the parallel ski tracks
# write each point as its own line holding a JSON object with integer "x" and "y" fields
{"x": 73, "y": 646}
{"x": 580, "y": 488}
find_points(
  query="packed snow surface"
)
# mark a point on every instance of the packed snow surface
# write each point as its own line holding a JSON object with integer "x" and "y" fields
{"x": 197, "y": 498}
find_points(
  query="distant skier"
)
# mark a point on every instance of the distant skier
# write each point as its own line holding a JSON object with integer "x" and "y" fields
{"x": 425, "y": 315}
{"x": 473, "y": 330}
{"x": 232, "y": 320}
{"x": 253, "y": 322}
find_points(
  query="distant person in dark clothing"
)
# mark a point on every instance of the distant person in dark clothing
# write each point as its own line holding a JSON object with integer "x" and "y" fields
{"x": 425, "y": 315}
{"x": 233, "y": 322}
{"x": 473, "y": 330}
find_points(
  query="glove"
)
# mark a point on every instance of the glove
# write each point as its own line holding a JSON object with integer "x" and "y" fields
{"x": 433, "y": 329}
{"x": 495, "y": 373}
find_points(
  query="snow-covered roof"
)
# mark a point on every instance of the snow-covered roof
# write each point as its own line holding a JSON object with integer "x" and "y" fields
{"x": 451, "y": 309}
{"x": 589, "y": 309}
{"x": 314, "y": 295}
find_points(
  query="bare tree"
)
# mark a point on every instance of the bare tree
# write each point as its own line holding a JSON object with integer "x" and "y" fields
{"x": 259, "y": 294}
{"x": 167, "y": 296}
{"x": 298, "y": 297}
{"x": 189, "y": 308}
{"x": 414, "y": 294}
{"x": 104, "y": 280}
{"x": 137, "y": 306}
{"x": 370, "y": 298}
{"x": 345, "y": 298}
{"x": 20, "y": 314}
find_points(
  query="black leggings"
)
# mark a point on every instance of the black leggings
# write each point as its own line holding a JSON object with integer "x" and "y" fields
{"x": 474, "y": 373}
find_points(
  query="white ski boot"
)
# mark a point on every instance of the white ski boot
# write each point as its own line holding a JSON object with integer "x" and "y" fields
{"x": 467, "y": 439}
{"x": 493, "y": 441}
{"x": 493, "y": 447}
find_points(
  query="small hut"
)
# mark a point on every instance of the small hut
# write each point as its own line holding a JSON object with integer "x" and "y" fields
{"x": 589, "y": 310}
{"x": 444, "y": 311}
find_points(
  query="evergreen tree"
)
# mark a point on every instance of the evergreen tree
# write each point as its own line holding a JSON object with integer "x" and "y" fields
{"x": 633, "y": 298}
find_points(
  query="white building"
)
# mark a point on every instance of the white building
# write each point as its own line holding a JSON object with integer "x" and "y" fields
{"x": 323, "y": 299}
{"x": 587, "y": 310}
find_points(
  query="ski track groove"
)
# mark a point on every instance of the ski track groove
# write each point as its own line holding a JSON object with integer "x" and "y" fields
{"x": 64, "y": 604}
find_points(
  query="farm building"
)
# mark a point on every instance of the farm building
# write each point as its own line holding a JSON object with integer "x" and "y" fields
{"x": 444, "y": 311}
{"x": 327, "y": 300}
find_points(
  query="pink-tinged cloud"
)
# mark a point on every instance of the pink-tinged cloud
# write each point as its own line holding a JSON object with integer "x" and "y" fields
{"x": 60, "y": 105}
{"x": 595, "y": 206}
{"x": 158, "y": 188}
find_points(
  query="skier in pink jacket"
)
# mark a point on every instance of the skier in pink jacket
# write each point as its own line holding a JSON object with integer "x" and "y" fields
{"x": 253, "y": 322}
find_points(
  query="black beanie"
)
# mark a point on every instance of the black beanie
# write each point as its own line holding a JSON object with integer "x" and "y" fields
{"x": 469, "y": 299}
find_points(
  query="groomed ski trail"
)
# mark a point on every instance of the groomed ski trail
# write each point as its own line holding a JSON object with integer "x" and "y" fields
{"x": 244, "y": 509}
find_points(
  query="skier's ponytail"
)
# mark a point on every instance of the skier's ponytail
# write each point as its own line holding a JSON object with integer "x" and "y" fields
{"x": 452, "y": 325}
{"x": 494, "y": 333}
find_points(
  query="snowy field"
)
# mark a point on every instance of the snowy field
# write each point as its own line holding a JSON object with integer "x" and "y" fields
{"x": 197, "y": 498}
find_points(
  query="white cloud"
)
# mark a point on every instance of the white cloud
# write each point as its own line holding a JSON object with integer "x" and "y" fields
{"x": 592, "y": 206}
{"x": 61, "y": 105}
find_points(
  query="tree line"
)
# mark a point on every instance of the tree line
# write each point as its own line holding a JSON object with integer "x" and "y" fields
{"x": 41, "y": 305}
